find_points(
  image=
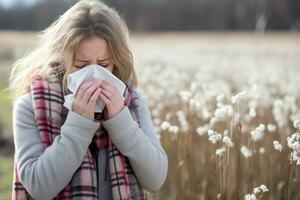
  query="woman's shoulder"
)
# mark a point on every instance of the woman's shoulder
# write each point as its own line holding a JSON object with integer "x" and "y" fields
{"x": 141, "y": 97}
{"x": 23, "y": 113}
{"x": 26, "y": 97}
{"x": 143, "y": 107}
{"x": 23, "y": 103}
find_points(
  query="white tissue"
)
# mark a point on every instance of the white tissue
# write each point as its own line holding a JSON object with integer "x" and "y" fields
{"x": 75, "y": 79}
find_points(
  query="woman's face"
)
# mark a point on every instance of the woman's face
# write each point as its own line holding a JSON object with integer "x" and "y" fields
{"x": 92, "y": 50}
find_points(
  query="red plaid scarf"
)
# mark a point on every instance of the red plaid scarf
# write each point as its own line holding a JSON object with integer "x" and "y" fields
{"x": 48, "y": 99}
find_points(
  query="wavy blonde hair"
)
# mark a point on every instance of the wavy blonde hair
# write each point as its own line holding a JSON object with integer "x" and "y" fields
{"x": 58, "y": 43}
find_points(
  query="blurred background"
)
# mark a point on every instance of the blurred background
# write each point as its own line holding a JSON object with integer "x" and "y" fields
{"x": 204, "y": 55}
{"x": 164, "y": 15}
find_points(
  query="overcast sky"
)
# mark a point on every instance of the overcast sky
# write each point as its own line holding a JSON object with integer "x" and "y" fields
{"x": 9, "y": 3}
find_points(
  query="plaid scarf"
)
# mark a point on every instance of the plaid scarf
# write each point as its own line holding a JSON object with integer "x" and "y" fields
{"x": 48, "y": 99}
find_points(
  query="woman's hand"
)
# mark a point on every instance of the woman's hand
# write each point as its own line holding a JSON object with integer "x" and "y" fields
{"x": 112, "y": 99}
{"x": 86, "y": 97}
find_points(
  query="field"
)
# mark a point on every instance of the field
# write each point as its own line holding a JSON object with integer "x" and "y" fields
{"x": 225, "y": 107}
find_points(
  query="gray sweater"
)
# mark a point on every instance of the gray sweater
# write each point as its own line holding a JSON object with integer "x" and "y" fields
{"x": 45, "y": 173}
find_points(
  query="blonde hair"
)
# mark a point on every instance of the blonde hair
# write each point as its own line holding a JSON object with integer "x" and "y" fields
{"x": 58, "y": 43}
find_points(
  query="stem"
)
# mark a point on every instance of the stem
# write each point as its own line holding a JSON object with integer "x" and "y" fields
{"x": 222, "y": 174}
{"x": 239, "y": 158}
{"x": 188, "y": 163}
{"x": 288, "y": 182}
{"x": 226, "y": 177}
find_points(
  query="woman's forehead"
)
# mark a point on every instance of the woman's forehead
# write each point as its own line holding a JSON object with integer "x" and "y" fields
{"x": 93, "y": 48}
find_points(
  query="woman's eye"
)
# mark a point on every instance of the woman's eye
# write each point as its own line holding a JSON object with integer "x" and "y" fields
{"x": 79, "y": 66}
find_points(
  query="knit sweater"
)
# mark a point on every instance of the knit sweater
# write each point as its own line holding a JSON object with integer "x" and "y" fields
{"x": 45, "y": 173}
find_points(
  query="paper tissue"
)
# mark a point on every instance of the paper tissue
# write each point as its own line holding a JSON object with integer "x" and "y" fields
{"x": 75, "y": 79}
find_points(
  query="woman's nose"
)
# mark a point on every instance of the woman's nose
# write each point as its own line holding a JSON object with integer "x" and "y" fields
{"x": 93, "y": 62}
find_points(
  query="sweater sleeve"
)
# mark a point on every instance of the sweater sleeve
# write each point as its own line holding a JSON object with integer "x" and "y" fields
{"x": 45, "y": 172}
{"x": 140, "y": 144}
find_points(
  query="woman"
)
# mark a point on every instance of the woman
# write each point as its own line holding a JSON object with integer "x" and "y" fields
{"x": 77, "y": 154}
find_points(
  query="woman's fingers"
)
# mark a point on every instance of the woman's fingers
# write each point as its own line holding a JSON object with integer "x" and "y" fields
{"x": 94, "y": 98}
{"x": 107, "y": 93}
{"x": 88, "y": 95}
{"x": 83, "y": 87}
{"x": 107, "y": 86}
{"x": 89, "y": 92}
{"x": 105, "y": 100}
{"x": 86, "y": 98}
